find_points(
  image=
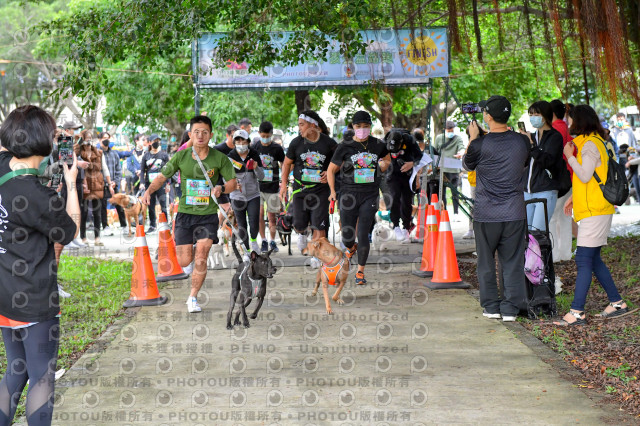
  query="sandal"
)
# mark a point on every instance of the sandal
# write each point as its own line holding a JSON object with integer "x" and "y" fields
{"x": 579, "y": 316}
{"x": 619, "y": 311}
{"x": 360, "y": 278}
{"x": 350, "y": 252}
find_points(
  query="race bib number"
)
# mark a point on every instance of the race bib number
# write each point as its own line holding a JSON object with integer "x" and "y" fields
{"x": 364, "y": 175}
{"x": 198, "y": 192}
{"x": 311, "y": 175}
{"x": 152, "y": 176}
{"x": 268, "y": 176}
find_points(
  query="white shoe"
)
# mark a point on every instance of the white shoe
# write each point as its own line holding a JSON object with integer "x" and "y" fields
{"x": 255, "y": 247}
{"x": 315, "y": 263}
{"x": 492, "y": 316}
{"x": 302, "y": 242}
{"x": 63, "y": 293}
{"x": 508, "y": 318}
{"x": 107, "y": 231}
{"x": 399, "y": 234}
{"x": 73, "y": 245}
{"x": 79, "y": 243}
{"x": 188, "y": 269}
{"x": 558, "y": 285}
{"x": 469, "y": 235}
{"x": 60, "y": 373}
{"x": 192, "y": 305}
{"x": 406, "y": 238}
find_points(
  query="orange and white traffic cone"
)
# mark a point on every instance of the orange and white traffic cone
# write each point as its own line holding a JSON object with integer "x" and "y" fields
{"x": 144, "y": 289}
{"x": 422, "y": 200}
{"x": 446, "y": 274}
{"x": 434, "y": 203}
{"x": 168, "y": 267}
{"x": 429, "y": 245}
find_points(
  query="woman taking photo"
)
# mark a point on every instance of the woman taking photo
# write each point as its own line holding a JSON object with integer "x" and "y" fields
{"x": 592, "y": 212}
{"x": 33, "y": 217}
{"x": 93, "y": 186}
{"x": 245, "y": 200}
{"x": 542, "y": 175}
{"x": 361, "y": 159}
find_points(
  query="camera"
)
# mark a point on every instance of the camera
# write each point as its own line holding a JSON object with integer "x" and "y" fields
{"x": 471, "y": 108}
{"x": 65, "y": 149}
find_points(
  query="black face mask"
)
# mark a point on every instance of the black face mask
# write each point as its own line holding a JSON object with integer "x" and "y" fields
{"x": 155, "y": 145}
{"x": 105, "y": 146}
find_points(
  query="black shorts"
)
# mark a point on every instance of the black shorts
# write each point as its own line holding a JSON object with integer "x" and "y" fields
{"x": 311, "y": 208}
{"x": 191, "y": 228}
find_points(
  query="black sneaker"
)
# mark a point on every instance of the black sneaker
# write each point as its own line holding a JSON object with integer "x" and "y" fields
{"x": 150, "y": 230}
{"x": 265, "y": 246}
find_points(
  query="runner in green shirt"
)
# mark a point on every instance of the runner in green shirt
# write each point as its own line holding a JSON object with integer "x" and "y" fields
{"x": 197, "y": 219}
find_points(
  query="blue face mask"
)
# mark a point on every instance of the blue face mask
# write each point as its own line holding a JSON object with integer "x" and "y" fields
{"x": 449, "y": 134}
{"x": 266, "y": 141}
{"x": 536, "y": 121}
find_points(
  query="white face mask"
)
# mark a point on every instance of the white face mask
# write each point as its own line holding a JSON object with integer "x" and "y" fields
{"x": 242, "y": 148}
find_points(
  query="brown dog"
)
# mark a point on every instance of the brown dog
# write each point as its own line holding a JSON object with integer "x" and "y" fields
{"x": 132, "y": 208}
{"x": 334, "y": 270}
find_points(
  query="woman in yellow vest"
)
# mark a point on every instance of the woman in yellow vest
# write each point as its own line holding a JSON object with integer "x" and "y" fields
{"x": 591, "y": 211}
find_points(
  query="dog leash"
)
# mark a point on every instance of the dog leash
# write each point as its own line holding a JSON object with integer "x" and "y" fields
{"x": 235, "y": 231}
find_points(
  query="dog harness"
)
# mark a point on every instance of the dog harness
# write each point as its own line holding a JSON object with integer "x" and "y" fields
{"x": 331, "y": 272}
{"x": 255, "y": 284}
{"x": 132, "y": 201}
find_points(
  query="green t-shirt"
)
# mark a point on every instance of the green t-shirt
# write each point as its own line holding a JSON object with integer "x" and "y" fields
{"x": 196, "y": 193}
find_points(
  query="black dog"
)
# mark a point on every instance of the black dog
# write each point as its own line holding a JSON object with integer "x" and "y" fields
{"x": 284, "y": 225}
{"x": 249, "y": 281}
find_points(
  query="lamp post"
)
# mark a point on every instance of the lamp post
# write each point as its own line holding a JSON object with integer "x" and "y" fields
{"x": 3, "y": 71}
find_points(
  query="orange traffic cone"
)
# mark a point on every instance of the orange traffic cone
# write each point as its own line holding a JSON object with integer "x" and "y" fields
{"x": 168, "y": 267}
{"x": 422, "y": 200}
{"x": 434, "y": 203}
{"x": 429, "y": 245}
{"x": 144, "y": 289}
{"x": 445, "y": 272}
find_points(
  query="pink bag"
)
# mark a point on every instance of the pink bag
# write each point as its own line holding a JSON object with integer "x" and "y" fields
{"x": 533, "y": 264}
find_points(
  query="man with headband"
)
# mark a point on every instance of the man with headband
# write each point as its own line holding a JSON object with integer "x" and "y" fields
{"x": 310, "y": 155}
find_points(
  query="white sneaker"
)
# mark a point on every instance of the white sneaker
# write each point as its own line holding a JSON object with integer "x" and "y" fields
{"x": 488, "y": 315}
{"x": 107, "y": 231}
{"x": 406, "y": 239}
{"x": 79, "y": 243}
{"x": 508, "y": 318}
{"x": 315, "y": 263}
{"x": 63, "y": 293}
{"x": 255, "y": 247}
{"x": 469, "y": 235}
{"x": 399, "y": 234}
{"x": 192, "y": 305}
{"x": 302, "y": 242}
{"x": 188, "y": 269}
{"x": 558, "y": 285}
{"x": 73, "y": 245}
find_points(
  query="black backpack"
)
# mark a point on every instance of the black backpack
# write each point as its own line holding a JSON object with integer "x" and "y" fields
{"x": 616, "y": 188}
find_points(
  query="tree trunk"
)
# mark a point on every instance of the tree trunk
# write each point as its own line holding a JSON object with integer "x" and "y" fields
{"x": 386, "y": 109}
{"x": 303, "y": 101}
{"x": 176, "y": 127}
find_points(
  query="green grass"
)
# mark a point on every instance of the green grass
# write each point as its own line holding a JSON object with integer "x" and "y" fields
{"x": 98, "y": 288}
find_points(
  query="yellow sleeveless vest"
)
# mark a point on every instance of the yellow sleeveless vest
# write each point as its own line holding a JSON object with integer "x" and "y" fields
{"x": 587, "y": 197}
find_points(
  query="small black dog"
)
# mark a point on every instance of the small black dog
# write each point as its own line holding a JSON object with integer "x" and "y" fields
{"x": 249, "y": 281}
{"x": 284, "y": 225}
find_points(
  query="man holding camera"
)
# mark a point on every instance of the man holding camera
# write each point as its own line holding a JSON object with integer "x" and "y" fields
{"x": 500, "y": 158}
{"x": 150, "y": 168}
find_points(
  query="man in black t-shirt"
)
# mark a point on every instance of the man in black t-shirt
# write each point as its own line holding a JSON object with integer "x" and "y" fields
{"x": 271, "y": 155}
{"x": 151, "y": 167}
{"x": 310, "y": 155}
{"x": 361, "y": 160}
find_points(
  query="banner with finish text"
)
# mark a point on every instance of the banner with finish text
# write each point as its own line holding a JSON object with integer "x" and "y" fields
{"x": 393, "y": 57}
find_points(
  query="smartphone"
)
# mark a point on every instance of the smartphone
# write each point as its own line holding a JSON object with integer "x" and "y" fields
{"x": 65, "y": 150}
{"x": 521, "y": 126}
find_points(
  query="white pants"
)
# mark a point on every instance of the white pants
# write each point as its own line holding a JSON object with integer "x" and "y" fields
{"x": 560, "y": 227}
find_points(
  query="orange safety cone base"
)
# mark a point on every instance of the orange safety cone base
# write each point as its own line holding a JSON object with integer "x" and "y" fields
{"x": 132, "y": 303}
{"x": 446, "y": 286}
{"x": 446, "y": 272}
{"x": 144, "y": 290}
{"x": 429, "y": 246}
{"x": 176, "y": 277}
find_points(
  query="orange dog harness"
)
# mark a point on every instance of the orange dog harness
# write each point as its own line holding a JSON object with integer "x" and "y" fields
{"x": 331, "y": 272}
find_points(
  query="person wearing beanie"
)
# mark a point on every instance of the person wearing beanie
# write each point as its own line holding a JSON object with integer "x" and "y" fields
{"x": 361, "y": 160}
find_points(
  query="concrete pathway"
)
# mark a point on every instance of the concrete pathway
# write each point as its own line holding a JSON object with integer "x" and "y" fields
{"x": 394, "y": 353}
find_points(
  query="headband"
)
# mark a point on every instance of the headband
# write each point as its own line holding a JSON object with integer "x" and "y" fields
{"x": 308, "y": 119}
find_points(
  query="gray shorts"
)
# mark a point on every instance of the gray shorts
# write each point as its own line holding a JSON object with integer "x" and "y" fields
{"x": 273, "y": 201}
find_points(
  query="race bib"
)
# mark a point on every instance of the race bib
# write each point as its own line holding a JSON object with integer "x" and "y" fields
{"x": 198, "y": 192}
{"x": 268, "y": 176}
{"x": 311, "y": 175}
{"x": 152, "y": 176}
{"x": 364, "y": 175}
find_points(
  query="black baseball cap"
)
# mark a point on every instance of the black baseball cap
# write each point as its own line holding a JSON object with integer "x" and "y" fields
{"x": 497, "y": 107}
{"x": 361, "y": 117}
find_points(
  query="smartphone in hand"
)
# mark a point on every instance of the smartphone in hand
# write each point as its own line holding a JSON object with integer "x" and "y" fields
{"x": 521, "y": 126}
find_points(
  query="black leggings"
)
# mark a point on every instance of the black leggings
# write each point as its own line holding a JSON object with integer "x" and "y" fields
{"x": 358, "y": 209}
{"x": 401, "y": 199}
{"x": 242, "y": 209}
{"x": 96, "y": 210}
{"x": 32, "y": 353}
